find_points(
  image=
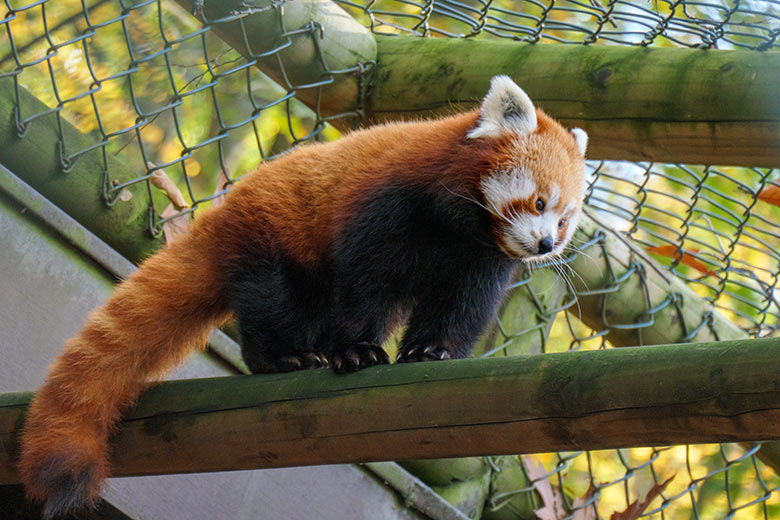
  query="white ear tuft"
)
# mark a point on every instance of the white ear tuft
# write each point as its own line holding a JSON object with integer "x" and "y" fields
{"x": 581, "y": 137}
{"x": 506, "y": 108}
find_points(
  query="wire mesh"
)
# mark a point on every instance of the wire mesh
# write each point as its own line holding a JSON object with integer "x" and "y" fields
{"x": 709, "y": 225}
{"x": 155, "y": 87}
{"x": 711, "y": 24}
{"x": 159, "y": 91}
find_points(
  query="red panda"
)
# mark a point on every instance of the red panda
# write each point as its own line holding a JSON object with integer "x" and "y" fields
{"x": 318, "y": 255}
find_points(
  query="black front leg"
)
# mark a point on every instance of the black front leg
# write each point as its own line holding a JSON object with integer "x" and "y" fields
{"x": 449, "y": 318}
{"x": 279, "y": 305}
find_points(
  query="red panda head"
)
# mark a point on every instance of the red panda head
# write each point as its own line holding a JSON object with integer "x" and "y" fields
{"x": 535, "y": 189}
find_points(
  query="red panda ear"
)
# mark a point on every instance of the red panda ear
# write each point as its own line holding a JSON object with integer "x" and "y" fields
{"x": 506, "y": 108}
{"x": 581, "y": 137}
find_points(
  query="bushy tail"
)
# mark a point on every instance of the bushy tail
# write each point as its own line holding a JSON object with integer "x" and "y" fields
{"x": 154, "y": 320}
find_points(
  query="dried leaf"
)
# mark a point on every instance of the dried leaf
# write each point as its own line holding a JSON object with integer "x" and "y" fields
{"x": 552, "y": 501}
{"x": 176, "y": 227}
{"x": 684, "y": 256}
{"x": 160, "y": 180}
{"x": 222, "y": 185}
{"x": 636, "y": 508}
{"x": 770, "y": 194}
{"x": 587, "y": 512}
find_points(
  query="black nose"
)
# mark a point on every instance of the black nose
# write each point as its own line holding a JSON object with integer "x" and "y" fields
{"x": 546, "y": 245}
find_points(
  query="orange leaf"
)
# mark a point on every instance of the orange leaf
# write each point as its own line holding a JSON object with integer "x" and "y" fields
{"x": 160, "y": 180}
{"x": 552, "y": 501}
{"x": 770, "y": 194}
{"x": 222, "y": 185}
{"x": 683, "y": 256}
{"x": 636, "y": 508}
{"x": 582, "y": 512}
{"x": 176, "y": 227}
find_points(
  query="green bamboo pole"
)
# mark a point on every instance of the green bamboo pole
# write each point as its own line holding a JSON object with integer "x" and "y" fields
{"x": 470, "y": 483}
{"x": 526, "y": 315}
{"x": 415, "y": 491}
{"x": 674, "y": 394}
{"x": 601, "y": 306}
{"x": 660, "y": 104}
{"x": 315, "y": 39}
{"x": 628, "y": 304}
{"x": 506, "y": 503}
{"x": 34, "y": 156}
{"x": 463, "y": 482}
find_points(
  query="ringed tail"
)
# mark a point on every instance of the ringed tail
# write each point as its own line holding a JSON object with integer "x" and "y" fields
{"x": 157, "y": 317}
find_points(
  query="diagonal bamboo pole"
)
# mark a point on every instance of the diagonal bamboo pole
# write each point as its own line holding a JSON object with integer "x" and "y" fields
{"x": 39, "y": 151}
{"x": 313, "y": 48}
{"x": 618, "y": 285}
{"x": 709, "y": 392}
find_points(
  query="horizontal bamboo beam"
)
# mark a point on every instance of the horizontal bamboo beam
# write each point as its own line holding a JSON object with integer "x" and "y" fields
{"x": 674, "y": 394}
{"x": 669, "y": 105}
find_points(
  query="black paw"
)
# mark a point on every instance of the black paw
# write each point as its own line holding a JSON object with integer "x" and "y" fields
{"x": 415, "y": 353}
{"x": 287, "y": 363}
{"x": 357, "y": 356}
{"x": 302, "y": 361}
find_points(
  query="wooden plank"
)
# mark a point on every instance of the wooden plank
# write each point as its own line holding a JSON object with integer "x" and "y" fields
{"x": 640, "y": 104}
{"x": 675, "y": 394}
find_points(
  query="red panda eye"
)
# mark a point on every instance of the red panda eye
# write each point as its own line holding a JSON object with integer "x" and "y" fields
{"x": 561, "y": 223}
{"x": 539, "y": 205}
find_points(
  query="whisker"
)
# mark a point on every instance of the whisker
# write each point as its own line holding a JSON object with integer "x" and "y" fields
{"x": 574, "y": 272}
{"x": 490, "y": 209}
{"x": 581, "y": 252}
{"x": 567, "y": 279}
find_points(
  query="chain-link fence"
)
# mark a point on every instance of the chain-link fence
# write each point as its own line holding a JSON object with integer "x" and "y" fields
{"x": 718, "y": 24}
{"x": 156, "y": 90}
{"x": 154, "y": 86}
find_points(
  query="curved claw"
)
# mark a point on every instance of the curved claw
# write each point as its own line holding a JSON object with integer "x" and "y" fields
{"x": 357, "y": 356}
{"x": 415, "y": 353}
{"x": 406, "y": 355}
{"x": 314, "y": 360}
{"x": 435, "y": 353}
{"x": 298, "y": 361}
{"x": 289, "y": 363}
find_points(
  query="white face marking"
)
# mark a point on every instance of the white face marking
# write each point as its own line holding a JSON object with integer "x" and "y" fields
{"x": 524, "y": 232}
{"x": 529, "y": 230}
{"x": 502, "y": 188}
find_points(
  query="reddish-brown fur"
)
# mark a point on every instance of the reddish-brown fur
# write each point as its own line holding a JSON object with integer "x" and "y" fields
{"x": 551, "y": 154}
{"x": 153, "y": 320}
{"x": 166, "y": 309}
